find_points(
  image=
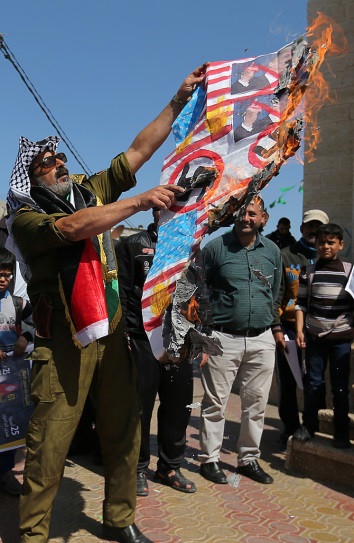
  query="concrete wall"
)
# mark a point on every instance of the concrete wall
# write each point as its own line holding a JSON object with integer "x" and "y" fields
{"x": 329, "y": 180}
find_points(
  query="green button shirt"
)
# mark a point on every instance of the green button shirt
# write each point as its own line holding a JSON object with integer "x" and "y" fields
{"x": 244, "y": 282}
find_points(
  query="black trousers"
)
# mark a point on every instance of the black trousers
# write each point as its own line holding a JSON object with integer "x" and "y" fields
{"x": 174, "y": 386}
{"x": 287, "y": 402}
{"x": 287, "y": 397}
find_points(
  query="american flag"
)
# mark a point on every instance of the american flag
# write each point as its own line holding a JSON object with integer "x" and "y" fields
{"x": 224, "y": 137}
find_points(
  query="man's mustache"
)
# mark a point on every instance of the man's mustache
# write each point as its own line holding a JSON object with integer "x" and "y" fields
{"x": 61, "y": 171}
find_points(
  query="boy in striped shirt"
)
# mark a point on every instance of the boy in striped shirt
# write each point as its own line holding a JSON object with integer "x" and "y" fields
{"x": 324, "y": 326}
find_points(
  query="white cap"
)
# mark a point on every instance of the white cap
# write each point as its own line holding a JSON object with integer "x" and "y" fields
{"x": 315, "y": 215}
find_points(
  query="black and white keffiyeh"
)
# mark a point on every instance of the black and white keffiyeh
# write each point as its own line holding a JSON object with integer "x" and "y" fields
{"x": 87, "y": 262}
{"x": 20, "y": 184}
{"x": 20, "y": 187}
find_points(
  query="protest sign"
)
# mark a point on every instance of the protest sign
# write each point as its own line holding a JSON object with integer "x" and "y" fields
{"x": 15, "y": 401}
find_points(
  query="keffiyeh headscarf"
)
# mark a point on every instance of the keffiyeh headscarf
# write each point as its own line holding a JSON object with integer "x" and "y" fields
{"x": 20, "y": 184}
{"x": 87, "y": 262}
{"x": 20, "y": 187}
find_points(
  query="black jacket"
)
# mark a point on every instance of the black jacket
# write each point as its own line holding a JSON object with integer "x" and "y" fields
{"x": 134, "y": 255}
{"x": 294, "y": 258}
{"x": 281, "y": 241}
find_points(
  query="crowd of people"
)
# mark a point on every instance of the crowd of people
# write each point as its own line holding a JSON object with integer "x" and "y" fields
{"x": 262, "y": 292}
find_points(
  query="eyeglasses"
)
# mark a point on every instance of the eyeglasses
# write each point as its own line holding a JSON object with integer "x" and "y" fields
{"x": 50, "y": 161}
{"x": 6, "y": 275}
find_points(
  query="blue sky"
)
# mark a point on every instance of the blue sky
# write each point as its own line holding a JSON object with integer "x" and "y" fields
{"x": 106, "y": 68}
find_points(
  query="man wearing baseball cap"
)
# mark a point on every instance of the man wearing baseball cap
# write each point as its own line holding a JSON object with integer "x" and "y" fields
{"x": 302, "y": 253}
{"x": 314, "y": 215}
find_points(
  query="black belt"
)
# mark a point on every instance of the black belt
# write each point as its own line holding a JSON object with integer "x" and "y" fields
{"x": 247, "y": 332}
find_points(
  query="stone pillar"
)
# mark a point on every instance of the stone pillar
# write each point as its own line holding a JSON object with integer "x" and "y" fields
{"x": 329, "y": 180}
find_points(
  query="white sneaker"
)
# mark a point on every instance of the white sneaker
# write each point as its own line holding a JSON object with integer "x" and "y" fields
{"x": 10, "y": 484}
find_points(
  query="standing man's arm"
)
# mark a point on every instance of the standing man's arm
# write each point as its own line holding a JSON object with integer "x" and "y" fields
{"x": 300, "y": 323}
{"x": 278, "y": 335}
{"x": 276, "y": 325}
{"x": 302, "y": 305}
{"x": 153, "y": 135}
{"x": 277, "y": 276}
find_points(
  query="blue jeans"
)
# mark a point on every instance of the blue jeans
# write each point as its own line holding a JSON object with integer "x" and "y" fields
{"x": 318, "y": 352}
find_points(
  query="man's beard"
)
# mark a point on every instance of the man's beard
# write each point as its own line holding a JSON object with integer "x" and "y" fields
{"x": 61, "y": 189}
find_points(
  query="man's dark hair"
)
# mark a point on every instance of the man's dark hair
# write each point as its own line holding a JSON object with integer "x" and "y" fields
{"x": 7, "y": 260}
{"x": 285, "y": 221}
{"x": 331, "y": 230}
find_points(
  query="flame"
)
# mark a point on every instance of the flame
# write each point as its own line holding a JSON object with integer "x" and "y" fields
{"x": 325, "y": 37}
{"x": 191, "y": 312}
{"x": 307, "y": 92}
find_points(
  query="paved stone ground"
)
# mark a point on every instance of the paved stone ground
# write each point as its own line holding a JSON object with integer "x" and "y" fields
{"x": 294, "y": 509}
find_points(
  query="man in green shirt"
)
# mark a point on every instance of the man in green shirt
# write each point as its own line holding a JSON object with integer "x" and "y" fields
{"x": 60, "y": 231}
{"x": 243, "y": 271}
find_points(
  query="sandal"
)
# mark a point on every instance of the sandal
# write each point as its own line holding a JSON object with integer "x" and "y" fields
{"x": 142, "y": 488}
{"x": 175, "y": 479}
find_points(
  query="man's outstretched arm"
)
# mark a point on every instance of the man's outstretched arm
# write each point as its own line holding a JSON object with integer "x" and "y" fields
{"x": 155, "y": 133}
{"x": 92, "y": 221}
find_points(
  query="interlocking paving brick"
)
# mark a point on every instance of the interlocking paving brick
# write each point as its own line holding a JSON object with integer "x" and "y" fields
{"x": 295, "y": 509}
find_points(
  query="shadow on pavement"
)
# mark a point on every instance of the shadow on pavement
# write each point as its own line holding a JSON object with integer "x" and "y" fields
{"x": 68, "y": 515}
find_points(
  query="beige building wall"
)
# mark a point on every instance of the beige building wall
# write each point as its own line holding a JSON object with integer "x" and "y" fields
{"x": 329, "y": 180}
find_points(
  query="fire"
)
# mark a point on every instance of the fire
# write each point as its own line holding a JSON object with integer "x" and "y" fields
{"x": 191, "y": 312}
{"x": 296, "y": 104}
{"x": 325, "y": 37}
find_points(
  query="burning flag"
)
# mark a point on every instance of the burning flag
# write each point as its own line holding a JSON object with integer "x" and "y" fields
{"x": 232, "y": 138}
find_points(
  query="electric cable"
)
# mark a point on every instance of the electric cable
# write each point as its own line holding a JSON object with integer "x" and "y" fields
{"x": 9, "y": 55}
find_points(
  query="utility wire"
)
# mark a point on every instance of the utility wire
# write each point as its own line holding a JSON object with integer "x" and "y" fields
{"x": 9, "y": 55}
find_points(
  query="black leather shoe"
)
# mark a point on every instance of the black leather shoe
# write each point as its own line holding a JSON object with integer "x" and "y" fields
{"x": 142, "y": 488}
{"x": 129, "y": 534}
{"x": 212, "y": 472}
{"x": 303, "y": 434}
{"x": 341, "y": 443}
{"x": 254, "y": 471}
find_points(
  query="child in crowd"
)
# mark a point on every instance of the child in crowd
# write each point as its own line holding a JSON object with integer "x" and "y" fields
{"x": 13, "y": 311}
{"x": 325, "y": 311}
